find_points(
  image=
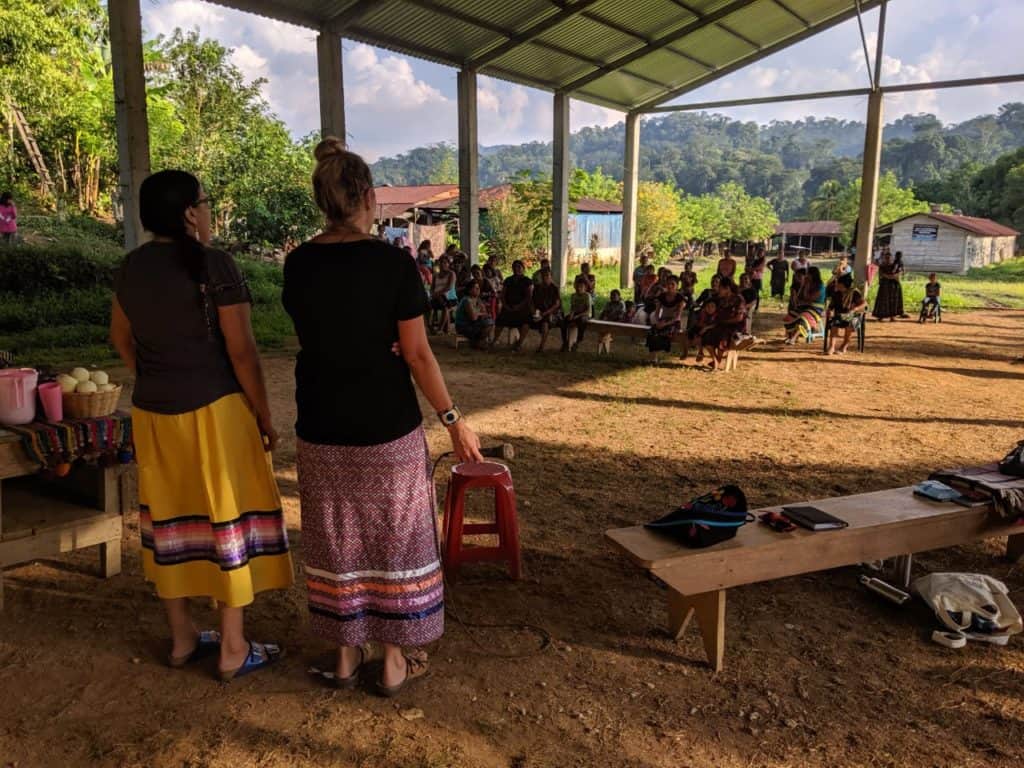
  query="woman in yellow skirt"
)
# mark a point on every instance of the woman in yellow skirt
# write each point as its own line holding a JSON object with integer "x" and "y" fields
{"x": 210, "y": 514}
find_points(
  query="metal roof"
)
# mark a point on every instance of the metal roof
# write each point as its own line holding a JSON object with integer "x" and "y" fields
{"x": 825, "y": 228}
{"x": 624, "y": 54}
{"x": 973, "y": 224}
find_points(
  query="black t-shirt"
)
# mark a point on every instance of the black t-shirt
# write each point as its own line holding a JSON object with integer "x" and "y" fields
{"x": 181, "y": 360}
{"x": 346, "y": 300}
{"x": 546, "y": 296}
{"x": 516, "y": 288}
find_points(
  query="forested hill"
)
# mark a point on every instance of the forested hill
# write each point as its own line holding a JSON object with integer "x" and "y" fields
{"x": 785, "y": 161}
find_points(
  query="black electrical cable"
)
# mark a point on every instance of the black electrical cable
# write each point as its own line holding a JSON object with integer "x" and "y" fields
{"x": 469, "y": 626}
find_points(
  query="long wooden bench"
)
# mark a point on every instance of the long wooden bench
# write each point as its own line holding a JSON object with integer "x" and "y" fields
{"x": 608, "y": 328}
{"x": 882, "y": 524}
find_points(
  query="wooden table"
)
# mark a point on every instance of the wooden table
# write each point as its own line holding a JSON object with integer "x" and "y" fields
{"x": 882, "y": 524}
{"x": 43, "y": 518}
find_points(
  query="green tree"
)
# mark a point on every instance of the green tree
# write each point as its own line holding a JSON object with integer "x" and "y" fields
{"x": 659, "y": 221}
{"x": 510, "y": 233}
{"x": 595, "y": 185}
{"x": 825, "y": 204}
{"x": 704, "y": 219}
{"x": 894, "y": 202}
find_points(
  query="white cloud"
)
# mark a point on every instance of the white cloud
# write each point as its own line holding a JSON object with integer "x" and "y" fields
{"x": 253, "y": 65}
{"x": 389, "y": 79}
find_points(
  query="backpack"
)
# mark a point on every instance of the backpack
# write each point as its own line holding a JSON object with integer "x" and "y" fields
{"x": 707, "y": 519}
{"x": 1013, "y": 462}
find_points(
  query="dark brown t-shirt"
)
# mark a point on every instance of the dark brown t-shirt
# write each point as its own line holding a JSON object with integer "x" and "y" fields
{"x": 181, "y": 359}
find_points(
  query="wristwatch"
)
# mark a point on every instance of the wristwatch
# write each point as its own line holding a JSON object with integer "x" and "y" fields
{"x": 450, "y": 417}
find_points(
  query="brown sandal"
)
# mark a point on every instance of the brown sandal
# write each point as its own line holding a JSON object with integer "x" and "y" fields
{"x": 415, "y": 668}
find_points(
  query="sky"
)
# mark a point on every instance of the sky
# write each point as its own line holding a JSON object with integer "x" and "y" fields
{"x": 395, "y": 103}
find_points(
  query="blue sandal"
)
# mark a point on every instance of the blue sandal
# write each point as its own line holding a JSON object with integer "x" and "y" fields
{"x": 207, "y": 644}
{"x": 260, "y": 655}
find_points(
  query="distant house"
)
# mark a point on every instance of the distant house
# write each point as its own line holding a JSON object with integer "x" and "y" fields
{"x": 814, "y": 236}
{"x": 945, "y": 242}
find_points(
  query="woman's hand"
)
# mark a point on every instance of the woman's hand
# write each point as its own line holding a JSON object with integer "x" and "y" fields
{"x": 268, "y": 433}
{"x": 465, "y": 443}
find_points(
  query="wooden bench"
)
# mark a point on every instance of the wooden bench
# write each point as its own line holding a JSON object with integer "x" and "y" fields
{"x": 882, "y": 524}
{"x": 607, "y": 328}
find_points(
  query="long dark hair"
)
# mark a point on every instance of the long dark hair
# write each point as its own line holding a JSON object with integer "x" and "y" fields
{"x": 164, "y": 198}
{"x": 5, "y": 198}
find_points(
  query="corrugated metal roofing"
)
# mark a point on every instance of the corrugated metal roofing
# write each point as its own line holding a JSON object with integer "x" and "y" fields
{"x": 626, "y": 54}
{"x": 805, "y": 228}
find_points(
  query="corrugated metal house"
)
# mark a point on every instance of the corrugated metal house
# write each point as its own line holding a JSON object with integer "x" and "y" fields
{"x": 946, "y": 242}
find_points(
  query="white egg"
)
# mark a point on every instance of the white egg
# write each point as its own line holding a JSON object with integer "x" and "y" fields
{"x": 99, "y": 378}
{"x": 107, "y": 387}
{"x": 86, "y": 387}
{"x": 80, "y": 374}
{"x": 67, "y": 383}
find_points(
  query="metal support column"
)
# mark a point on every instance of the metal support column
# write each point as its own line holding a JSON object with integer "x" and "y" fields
{"x": 469, "y": 177}
{"x": 869, "y": 188}
{"x": 630, "y": 179}
{"x": 130, "y": 110}
{"x": 332, "y": 85}
{"x": 560, "y": 246}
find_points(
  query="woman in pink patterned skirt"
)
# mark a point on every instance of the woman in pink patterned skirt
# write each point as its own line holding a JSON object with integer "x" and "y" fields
{"x": 371, "y": 556}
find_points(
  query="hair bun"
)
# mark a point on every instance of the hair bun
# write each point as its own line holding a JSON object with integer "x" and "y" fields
{"x": 329, "y": 147}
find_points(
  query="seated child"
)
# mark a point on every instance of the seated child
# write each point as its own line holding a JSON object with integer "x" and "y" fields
{"x": 932, "y": 297}
{"x": 630, "y": 316}
{"x": 580, "y": 307}
{"x": 687, "y": 281}
{"x": 702, "y": 322}
{"x": 614, "y": 311}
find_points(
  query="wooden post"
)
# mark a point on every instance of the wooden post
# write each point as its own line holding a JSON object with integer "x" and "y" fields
{"x": 709, "y": 610}
{"x": 869, "y": 187}
{"x": 332, "y": 85}
{"x": 130, "y": 110}
{"x": 630, "y": 179}
{"x": 469, "y": 177}
{"x": 560, "y": 191}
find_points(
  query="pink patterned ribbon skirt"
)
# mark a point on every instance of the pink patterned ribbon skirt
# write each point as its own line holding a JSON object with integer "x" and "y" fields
{"x": 371, "y": 562}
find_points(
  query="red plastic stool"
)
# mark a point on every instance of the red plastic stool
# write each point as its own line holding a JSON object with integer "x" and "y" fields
{"x": 486, "y": 474}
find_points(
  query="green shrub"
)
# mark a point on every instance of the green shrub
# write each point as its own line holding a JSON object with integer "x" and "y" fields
{"x": 32, "y": 270}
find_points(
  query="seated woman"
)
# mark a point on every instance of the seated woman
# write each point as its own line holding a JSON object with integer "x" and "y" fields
{"x": 443, "y": 296}
{"x": 847, "y": 307}
{"x": 517, "y": 303}
{"x": 807, "y": 305}
{"x": 667, "y": 317}
{"x": 697, "y": 327}
{"x": 730, "y": 320}
{"x": 749, "y": 296}
{"x": 547, "y": 307}
{"x": 472, "y": 319}
{"x": 645, "y": 284}
{"x": 580, "y": 308}
{"x": 708, "y": 294}
{"x": 590, "y": 277}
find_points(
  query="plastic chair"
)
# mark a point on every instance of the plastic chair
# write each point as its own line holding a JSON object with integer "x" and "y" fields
{"x": 487, "y": 474}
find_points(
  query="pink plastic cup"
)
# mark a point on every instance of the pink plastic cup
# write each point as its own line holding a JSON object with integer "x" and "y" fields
{"x": 53, "y": 401}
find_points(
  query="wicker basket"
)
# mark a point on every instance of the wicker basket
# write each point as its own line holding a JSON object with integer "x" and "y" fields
{"x": 79, "y": 405}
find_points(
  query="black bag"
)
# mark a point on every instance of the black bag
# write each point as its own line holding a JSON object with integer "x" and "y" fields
{"x": 706, "y": 520}
{"x": 1013, "y": 462}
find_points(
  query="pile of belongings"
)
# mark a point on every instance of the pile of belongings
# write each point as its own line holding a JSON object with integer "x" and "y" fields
{"x": 969, "y": 606}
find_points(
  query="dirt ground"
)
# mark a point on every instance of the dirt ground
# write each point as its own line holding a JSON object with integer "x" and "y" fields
{"x": 818, "y": 672}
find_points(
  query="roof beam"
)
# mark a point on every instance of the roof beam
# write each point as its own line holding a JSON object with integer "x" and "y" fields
{"x": 792, "y": 13}
{"x": 528, "y": 34}
{"x": 700, "y": 15}
{"x": 661, "y": 42}
{"x": 339, "y": 22}
{"x": 748, "y": 60}
{"x": 467, "y": 18}
{"x": 760, "y": 100}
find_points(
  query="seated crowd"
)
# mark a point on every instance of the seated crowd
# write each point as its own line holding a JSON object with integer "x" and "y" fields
{"x": 478, "y": 302}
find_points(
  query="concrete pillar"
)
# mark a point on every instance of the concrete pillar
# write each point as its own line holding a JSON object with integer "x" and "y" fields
{"x": 469, "y": 177}
{"x": 332, "y": 85}
{"x": 130, "y": 110}
{"x": 560, "y": 191}
{"x": 630, "y": 179}
{"x": 869, "y": 188}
